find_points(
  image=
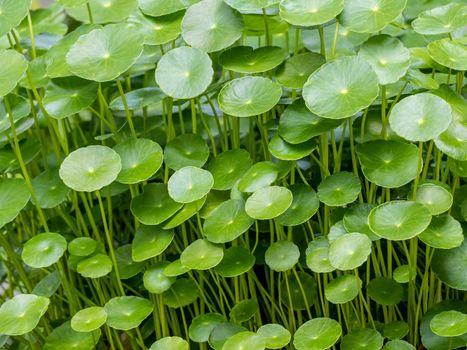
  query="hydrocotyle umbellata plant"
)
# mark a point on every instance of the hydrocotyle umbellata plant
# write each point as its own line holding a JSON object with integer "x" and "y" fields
{"x": 208, "y": 174}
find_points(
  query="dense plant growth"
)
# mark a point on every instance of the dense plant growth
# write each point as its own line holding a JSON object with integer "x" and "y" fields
{"x": 236, "y": 174}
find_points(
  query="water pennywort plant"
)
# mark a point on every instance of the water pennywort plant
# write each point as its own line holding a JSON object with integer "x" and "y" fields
{"x": 232, "y": 174}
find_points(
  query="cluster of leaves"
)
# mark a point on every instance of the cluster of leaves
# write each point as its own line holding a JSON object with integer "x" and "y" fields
{"x": 233, "y": 174}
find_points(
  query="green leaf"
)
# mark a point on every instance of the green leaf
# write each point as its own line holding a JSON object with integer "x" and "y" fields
{"x": 184, "y": 72}
{"x": 274, "y": 335}
{"x": 243, "y": 311}
{"x": 349, "y": 251}
{"x": 172, "y": 343}
{"x": 21, "y": 314}
{"x": 441, "y": 20}
{"x": 201, "y": 255}
{"x": 449, "y": 323}
{"x": 341, "y": 88}
{"x": 124, "y": 313}
{"x": 14, "y": 195}
{"x": 96, "y": 266}
{"x": 105, "y": 53}
{"x": 310, "y": 13}
{"x": 67, "y": 96}
{"x": 449, "y": 266}
{"x": 202, "y": 326}
{"x": 294, "y": 72}
{"x": 268, "y": 202}
{"x": 89, "y": 319}
{"x": 103, "y": 11}
{"x": 186, "y": 150}
{"x": 388, "y": 57}
{"x": 154, "y": 205}
{"x": 138, "y": 98}
{"x": 261, "y": 174}
{"x": 304, "y": 205}
{"x": 343, "y": 289}
{"x": 385, "y": 291}
{"x": 211, "y": 25}
{"x": 399, "y": 220}
{"x": 369, "y": 16}
{"x": 11, "y": 73}
{"x": 150, "y": 241}
{"x": 90, "y": 168}
{"x": 190, "y": 184}
{"x": 244, "y": 340}
{"x": 416, "y": 118}
{"x": 317, "y": 334}
{"x": 43, "y": 250}
{"x": 444, "y": 232}
{"x": 282, "y": 255}
{"x": 245, "y": 59}
{"x": 449, "y": 53}
{"x": 154, "y": 279}
{"x": 49, "y": 189}
{"x": 249, "y": 96}
{"x": 236, "y": 261}
{"x": 227, "y": 221}
{"x": 164, "y": 7}
{"x": 19, "y": 107}
{"x": 388, "y": 164}
{"x": 228, "y": 167}
{"x": 12, "y": 13}
{"x": 64, "y": 337}
{"x": 339, "y": 189}
{"x": 297, "y": 124}
{"x": 365, "y": 338}
{"x": 141, "y": 159}
{"x": 182, "y": 293}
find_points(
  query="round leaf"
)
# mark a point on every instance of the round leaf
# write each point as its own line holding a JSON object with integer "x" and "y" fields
{"x": 141, "y": 158}
{"x": 127, "y": 312}
{"x": 14, "y": 195}
{"x": 227, "y": 221}
{"x": 49, "y": 189}
{"x": 243, "y": 340}
{"x": 11, "y": 73}
{"x": 274, "y": 335}
{"x": 245, "y": 59}
{"x": 189, "y": 184}
{"x": 202, "y": 326}
{"x": 154, "y": 205}
{"x": 343, "y": 289}
{"x": 105, "y": 53}
{"x": 349, "y": 251}
{"x": 310, "y": 13}
{"x": 297, "y": 124}
{"x": 211, "y": 25}
{"x": 369, "y": 16}
{"x": 103, "y": 11}
{"x": 387, "y": 56}
{"x": 228, "y": 167}
{"x": 444, "y": 232}
{"x": 154, "y": 279}
{"x": 294, "y": 72}
{"x": 184, "y": 72}
{"x": 186, "y": 150}
{"x": 249, "y": 96}
{"x": 388, "y": 164}
{"x": 399, "y": 220}
{"x": 89, "y": 319}
{"x": 417, "y": 117}
{"x": 449, "y": 265}
{"x": 201, "y": 255}
{"x": 236, "y": 261}
{"x": 441, "y": 20}
{"x": 172, "y": 343}
{"x": 43, "y": 250}
{"x": 339, "y": 189}
{"x": 449, "y": 323}
{"x": 304, "y": 205}
{"x": 96, "y": 266}
{"x": 366, "y": 338}
{"x": 341, "y": 88}
{"x": 150, "y": 241}
{"x": 385, "y": 291}
{"x": 268, "y": 202}
{"x": 282, "y": 255}
{"x": 164, "y": 7}
{"x": 449, "y": 53}
{"x": 90, "y": 168}
{"x": 22, "y": 313}
{"x": 317, "y": 334}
